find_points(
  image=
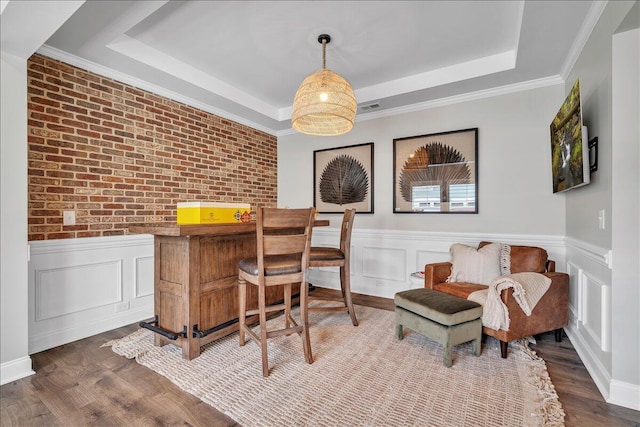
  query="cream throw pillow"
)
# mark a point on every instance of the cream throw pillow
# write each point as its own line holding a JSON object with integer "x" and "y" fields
{"x": 479, "y": 266}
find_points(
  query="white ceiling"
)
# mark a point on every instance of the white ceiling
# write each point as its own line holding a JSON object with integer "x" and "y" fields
{"x": 244, "y": 60}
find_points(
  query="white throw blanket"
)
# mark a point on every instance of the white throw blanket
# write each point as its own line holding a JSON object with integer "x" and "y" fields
{"x": 528, "y": 288}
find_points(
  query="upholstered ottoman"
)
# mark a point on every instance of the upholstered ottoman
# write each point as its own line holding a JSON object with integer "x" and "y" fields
{"x": 444, "y": 318}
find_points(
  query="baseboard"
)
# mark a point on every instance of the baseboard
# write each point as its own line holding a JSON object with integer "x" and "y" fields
{"x": 601, "y": 377}
{"x": 15, "y": 369}
{"x": 614, "y": 392}
{"x": 624, "y": 394}
{"x": 58, "y": 337}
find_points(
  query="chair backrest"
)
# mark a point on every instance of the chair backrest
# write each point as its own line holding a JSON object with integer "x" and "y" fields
{"x": 527, "y": 259}
{"x": 345, "y": 232}
{"x": 284, "y": 232}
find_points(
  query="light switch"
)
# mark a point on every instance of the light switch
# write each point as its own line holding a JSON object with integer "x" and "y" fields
{"x": 69, "y": 218}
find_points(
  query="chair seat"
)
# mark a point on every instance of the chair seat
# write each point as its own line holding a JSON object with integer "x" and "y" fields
{"x": 321, "y": 253}
{"x": 274, "y": 265}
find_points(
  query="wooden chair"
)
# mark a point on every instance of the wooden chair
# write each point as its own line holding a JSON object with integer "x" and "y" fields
{"x": 283, "y": 244}
{"x": 336, "y": 257}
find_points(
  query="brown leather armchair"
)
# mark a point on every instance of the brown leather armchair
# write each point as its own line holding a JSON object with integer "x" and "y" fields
{"x": 550, "y": 314}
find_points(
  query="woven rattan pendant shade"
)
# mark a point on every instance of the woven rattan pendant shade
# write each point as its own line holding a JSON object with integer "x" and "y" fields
{"x": 325, "y": 103}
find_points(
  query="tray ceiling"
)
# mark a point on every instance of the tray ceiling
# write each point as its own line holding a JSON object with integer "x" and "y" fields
{"x": 244, "y": 60}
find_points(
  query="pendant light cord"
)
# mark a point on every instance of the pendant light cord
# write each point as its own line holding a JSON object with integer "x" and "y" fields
{"x": 324, "y": 54}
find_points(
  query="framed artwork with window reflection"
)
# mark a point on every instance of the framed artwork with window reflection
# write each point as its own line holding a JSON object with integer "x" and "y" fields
{"x": 343, "y": 179}
{"x": 436, "y": 173}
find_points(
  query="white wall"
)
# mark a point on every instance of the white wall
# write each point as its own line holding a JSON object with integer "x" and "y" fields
{"x": 515, "y": 198}
{"x": 514, "y": 162}
{"x": 625, "y": 230}
{"x": 23, "y": 28}
{"x": 14, "y": 357}
{"x": 605, "y": 327}
{"x": 516, "y": 202}
{"x": 593, "y": 68}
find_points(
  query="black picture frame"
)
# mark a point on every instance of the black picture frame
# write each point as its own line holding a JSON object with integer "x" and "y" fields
{"x": 436, "y": 173}
{"x": 343, "y": 179}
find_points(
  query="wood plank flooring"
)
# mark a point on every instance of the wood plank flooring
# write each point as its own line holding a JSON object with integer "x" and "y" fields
{"x": 84, "y": 384}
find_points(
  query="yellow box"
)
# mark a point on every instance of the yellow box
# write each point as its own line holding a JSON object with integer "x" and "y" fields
{"x": 213, "y": 213}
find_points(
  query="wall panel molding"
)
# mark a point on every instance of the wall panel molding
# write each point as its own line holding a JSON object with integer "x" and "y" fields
{"x": 81, "y": 287}
{"x": 575, "y": 293}
{"x": 590, "y": 327}
{"x": 595, "y": 253}
{"x": 405, "y": 252}
{"x": 384, "y": 263}
{"x": 597, "y": 310}
{"x": 44, "y": 247}
{"x": 65, "y": 290}
{"x": 143, "y": 276}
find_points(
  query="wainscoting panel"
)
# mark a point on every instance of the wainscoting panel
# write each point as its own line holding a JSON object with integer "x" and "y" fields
{"x": 81, "y": 287}
{"x": 590, "y": 325}
{"x": 575, "y": 294}
{"x": 384, "y": 263}
{"x": 92, "y": 285}
{"x": 66, "y": 290}
{"x": 144, "y": 276}
{"x": 596, "y": 312}
{"x": 383, "y": 260}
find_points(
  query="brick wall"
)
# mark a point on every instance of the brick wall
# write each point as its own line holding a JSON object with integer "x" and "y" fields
{"x": 118, "y": 155}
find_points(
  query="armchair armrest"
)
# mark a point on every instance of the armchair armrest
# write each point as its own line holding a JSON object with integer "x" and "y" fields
{"x": 436, "y": 273}
{"x": 559, "y": 286}
{"x": 551, "y": 312}
{"x": 551, "y": 266}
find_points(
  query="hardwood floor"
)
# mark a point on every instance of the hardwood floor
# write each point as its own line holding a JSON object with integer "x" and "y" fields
{"x": 84, "y": 384}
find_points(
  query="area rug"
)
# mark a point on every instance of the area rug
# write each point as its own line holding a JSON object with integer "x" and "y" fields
{"x": 361, "y": 376}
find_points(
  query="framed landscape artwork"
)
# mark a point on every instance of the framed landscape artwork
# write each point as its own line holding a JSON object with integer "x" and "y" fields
{"x": 570, "y": 163}
{"x": 436, "y": 173}
{"x": 343, "y": 179}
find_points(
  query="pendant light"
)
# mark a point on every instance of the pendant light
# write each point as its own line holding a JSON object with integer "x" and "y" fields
{"x": 325, "y": 103}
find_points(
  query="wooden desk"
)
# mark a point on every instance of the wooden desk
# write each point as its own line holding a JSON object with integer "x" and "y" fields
{"x": 195, "y": 281}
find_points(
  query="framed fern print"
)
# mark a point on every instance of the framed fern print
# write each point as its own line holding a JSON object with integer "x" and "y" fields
{"x": 436, "y": 173}
{"x": 343, "y": 179}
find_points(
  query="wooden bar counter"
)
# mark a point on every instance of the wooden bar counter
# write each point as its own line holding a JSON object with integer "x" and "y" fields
{"x": 195, "y": 281}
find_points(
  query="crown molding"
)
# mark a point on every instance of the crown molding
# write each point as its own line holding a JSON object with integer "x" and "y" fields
{"x": 76, "y": 61}
{"x": 590, "y": 21}
{"x": 93, "y": 67}
{"x": 456, "y": 99}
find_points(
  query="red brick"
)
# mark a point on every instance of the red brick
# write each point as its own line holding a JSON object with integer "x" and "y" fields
{"x": 127, "y": 147}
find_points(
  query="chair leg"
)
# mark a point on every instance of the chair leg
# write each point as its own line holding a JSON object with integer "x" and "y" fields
{"x": 345, "y": 284}
{"x": 503, "y": 349}
{"x": 558, "y": 333}
{"x": 304, "y": 319}
{"x": 287, "y": 305}
{"x": 242, "y": 311}
{"x": 263, "y": 329}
